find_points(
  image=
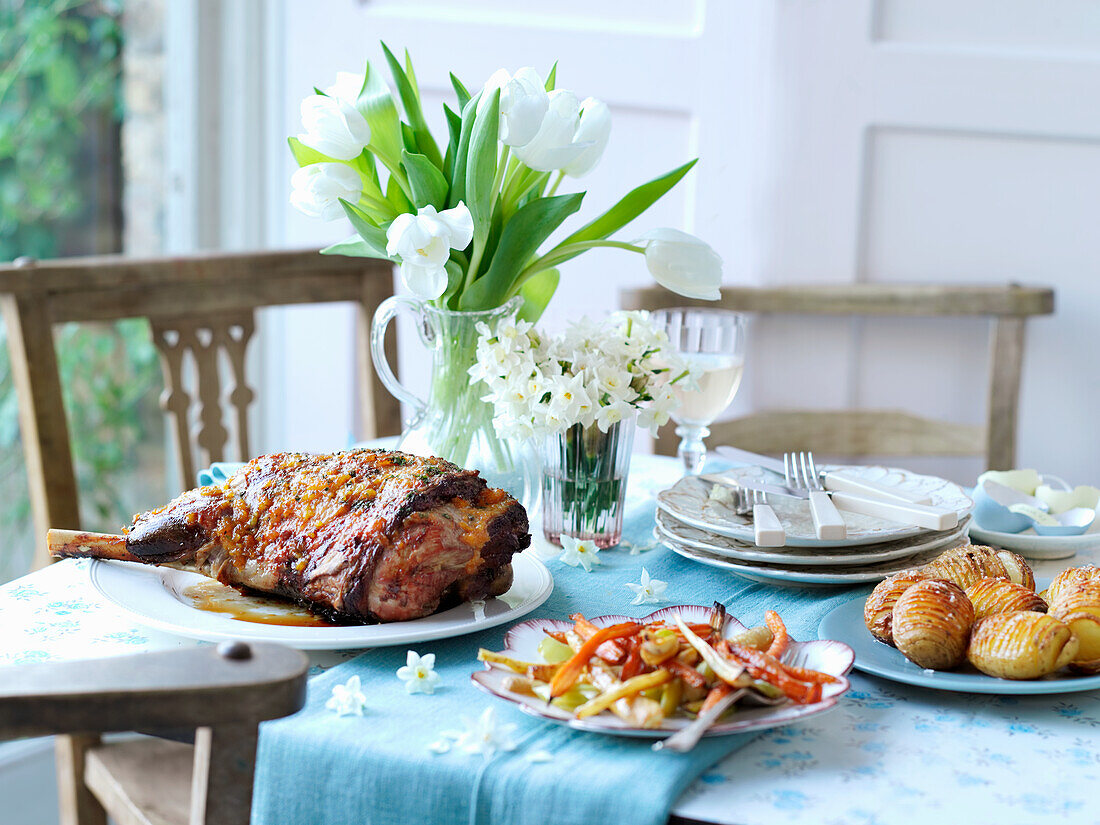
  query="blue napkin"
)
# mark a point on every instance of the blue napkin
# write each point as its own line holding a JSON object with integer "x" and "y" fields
{"x": 316, "y": 768}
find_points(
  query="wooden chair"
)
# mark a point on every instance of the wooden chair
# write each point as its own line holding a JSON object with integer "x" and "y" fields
{"x": 220, "y": 693}
{"x": 853, "y": 433}
{"x": 197, "y": 306}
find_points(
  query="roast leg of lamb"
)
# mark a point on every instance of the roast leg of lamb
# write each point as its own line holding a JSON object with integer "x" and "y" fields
{"x": 365, "y": 535}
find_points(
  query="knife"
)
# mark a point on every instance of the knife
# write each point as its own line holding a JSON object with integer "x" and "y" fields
{"x": 834, "y": 481}
{"x": 921, "y": 515}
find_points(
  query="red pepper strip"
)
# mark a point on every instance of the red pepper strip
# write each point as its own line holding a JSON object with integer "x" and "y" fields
{"x": 689, "y": 674}
{"x": 633, "y": 664}
{"x": 715, "y": 695}
{"x": 781, "y": 640}
{"x": 611, "y": 652}
{"x": 557, "y": 636}
{"x": 763, "y": 666}
{"x": 809, "y": 675}
{"x": 571, "y": 670}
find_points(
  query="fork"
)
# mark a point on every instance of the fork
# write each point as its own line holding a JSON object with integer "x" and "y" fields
{"x": 766, "y": 526}
{"x": 800, "y": 472}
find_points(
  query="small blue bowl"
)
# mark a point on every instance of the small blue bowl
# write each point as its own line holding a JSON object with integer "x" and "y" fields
{"x": 991, "y": 503}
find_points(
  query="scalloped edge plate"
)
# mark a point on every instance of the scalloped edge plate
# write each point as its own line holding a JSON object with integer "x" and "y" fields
{"x": 521, "y": 641}
{"x": 152, "y": 595}
{"x": 879, "y": 659}
{"x": 688, "y": 501}
{"x": 862, "y": 554}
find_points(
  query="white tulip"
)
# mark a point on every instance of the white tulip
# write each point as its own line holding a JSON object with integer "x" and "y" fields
{"x": 319, "y": 187}
{"x": 683, "y": 263}
{"x": 333, "y": 127}
{"x": 347, "y": 87}
{"x": 595, "y": 127}
{"x": 523, "y": 104}
{"x": 424, "y": 242}
{"x": 556, "y": 144}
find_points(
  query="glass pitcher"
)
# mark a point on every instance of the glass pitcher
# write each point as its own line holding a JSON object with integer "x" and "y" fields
{"x": 454, "y": 423}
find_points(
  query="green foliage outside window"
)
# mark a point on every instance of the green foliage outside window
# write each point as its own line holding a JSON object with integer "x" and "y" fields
{"x": 59, "y": 75}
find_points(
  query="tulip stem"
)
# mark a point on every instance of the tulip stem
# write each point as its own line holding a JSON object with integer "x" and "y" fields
{"x": 560, "y": 254}
{"x": 557, "y": 182}
{"x": 502, "y": 165}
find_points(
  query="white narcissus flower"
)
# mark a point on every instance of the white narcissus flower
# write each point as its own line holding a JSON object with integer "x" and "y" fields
{"x": 648, "y": 591}
{"x": 319, "y": 187}
{"x": 347, "y": 699}
{"x": 333, "y": 127}
{"x": 523, "y": 103}
{"x": 577, "y": 553}
{"x": 594, "y": 128}
{"x": 418, "y": 673}
{"x": 556, "y": 145}
{"x": 683, "y": 263}
{"x": 424, "y": 242}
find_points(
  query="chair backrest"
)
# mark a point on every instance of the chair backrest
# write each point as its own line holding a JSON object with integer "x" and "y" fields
{"x": 198, "y": 306}
{"x": 843, "y": 433}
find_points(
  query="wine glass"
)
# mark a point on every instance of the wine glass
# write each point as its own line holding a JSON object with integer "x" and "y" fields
{"x": 712, "y": 341}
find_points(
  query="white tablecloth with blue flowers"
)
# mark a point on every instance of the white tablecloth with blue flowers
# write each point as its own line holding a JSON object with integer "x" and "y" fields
{"x": 887, "y": 754}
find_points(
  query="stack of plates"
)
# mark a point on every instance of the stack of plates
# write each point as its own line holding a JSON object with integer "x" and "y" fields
{"x": 708, "y": 530}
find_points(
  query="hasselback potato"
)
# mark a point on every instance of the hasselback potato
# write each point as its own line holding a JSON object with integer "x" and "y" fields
{"x": 878, "y": 612}
{"x": 1075, "y": 599}
{"x": 969, "y": 563}
{"x": 1021, "y": 645}
{"x": 991, "y": 595}
{"x": 931, "y": 624}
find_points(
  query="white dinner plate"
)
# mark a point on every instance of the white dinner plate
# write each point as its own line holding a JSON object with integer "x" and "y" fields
{"x": 1032, "y": 546}
{"x": 799, "y": 576}
{"x": 845, "y": 622}
{"x": 154, "y": 596}
{"x": 853, "y": 556}
{"x": 689, "y": 501}
{"x": 522, "y": 641}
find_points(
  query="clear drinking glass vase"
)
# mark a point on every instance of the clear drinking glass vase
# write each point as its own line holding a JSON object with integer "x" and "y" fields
{"x": 584, "y": 473}
{"x": 454, "y": 423}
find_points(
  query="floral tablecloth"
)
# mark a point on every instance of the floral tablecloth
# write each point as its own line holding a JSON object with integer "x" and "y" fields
{"x": 889, "y": 753}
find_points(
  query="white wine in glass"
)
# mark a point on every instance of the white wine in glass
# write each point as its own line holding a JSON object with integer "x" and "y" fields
{"x": 712, "y": 342}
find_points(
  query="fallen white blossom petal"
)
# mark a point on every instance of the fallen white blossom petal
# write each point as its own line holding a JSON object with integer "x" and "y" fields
{"x": 347, "y": 699}
{"x": 578, "y": 553}
{"x": 649, "y": 591}
{"x": 419, "y": 674}
{"x": 540, "y": 756}
{"x": 637, "y": 549}
{"x": 439, "y": 746}
{"x": 485, "y": 735}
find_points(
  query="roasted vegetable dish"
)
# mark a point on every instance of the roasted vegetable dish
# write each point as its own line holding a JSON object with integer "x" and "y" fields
{"x": 645, "y": 673}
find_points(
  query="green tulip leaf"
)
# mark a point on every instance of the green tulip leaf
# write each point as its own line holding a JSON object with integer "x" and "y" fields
{"x": 376, "y": 104}
{"x": 481, "y": 165}
{"x": 370, "y": 233}
{"x": 460, "y": 92}
{"x": 454, "y": 281}
{"x": 633, "y": 204}
{"x": 552, "y": 77}
{"x": 458, "y": 175}
{"x": 427, "y": 182}
{"x": 305, "y": 155}
{"x": 396, "y": 196}
{"x": 520, "y": 239}
{"x": 536, "y": 293}
{"x": 355, "y": 247}
{"x": 454, "y": 129}
{"x": 410, "y": 102}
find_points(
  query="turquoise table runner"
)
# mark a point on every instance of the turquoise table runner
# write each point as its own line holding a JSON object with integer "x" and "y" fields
{"x": 317, "y": 768}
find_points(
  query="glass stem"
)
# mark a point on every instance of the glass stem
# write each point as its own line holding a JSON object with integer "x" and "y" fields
{"x": 692, "y": 450}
